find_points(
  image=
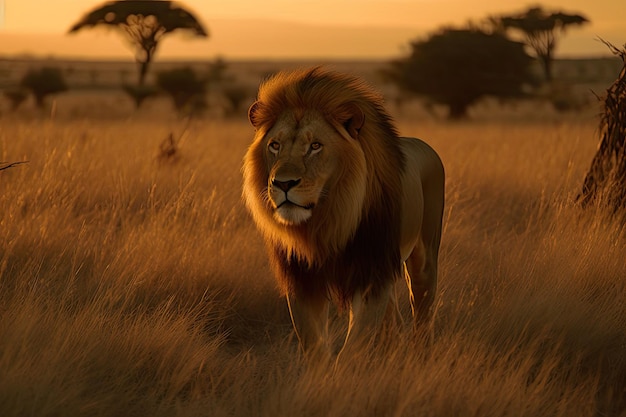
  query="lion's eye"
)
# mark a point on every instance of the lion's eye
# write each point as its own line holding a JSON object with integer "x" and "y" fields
{"x": 316, "y": 147}
{"x": 274, "y": 147}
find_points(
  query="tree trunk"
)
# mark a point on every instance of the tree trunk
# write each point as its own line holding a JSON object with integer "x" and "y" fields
{"x": 144, "y": 64}
{"x": 143, "y": 70}
{"x": 546, "y": 64}
{"x": 545, "y": 57}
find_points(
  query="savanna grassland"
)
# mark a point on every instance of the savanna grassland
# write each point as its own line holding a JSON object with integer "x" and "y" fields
{"x": 131, "y": 286}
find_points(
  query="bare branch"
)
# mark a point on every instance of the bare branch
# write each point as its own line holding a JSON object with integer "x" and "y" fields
{"x": 7, "y": 165}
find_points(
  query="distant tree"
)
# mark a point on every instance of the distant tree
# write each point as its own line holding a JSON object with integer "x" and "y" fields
{"x": 541, "y": 30}
{"x": 186, "y": 89}
{"x": 606, "y": 179}
{"x": 144, "y": 23}
{"x": 43, "y": 82}
{"x": 217, "y": 71}
{"x": 235, "y": 94}
{"x": 457, "y": 67}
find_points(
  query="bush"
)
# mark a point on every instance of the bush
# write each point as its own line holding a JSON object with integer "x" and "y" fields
{"x": 235, "y": 94}
{"x": 563, "y": 98}
{"x": 43, "y": 82}
{"x": 16, "y": 97}
{"x": 186, "y": 89}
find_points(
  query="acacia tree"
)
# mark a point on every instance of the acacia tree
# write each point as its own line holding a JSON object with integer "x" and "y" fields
{"x": 144, "y": 23}
{"x": 541, "y": 30}
{"x": 457, "y": 67}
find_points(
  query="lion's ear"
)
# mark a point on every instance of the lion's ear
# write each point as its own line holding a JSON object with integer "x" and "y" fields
{"x": 352, "y": 119}
{"x": 252, "y": 113}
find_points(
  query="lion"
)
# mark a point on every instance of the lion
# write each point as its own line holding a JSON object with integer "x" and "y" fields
{"x": 346, "y": 206}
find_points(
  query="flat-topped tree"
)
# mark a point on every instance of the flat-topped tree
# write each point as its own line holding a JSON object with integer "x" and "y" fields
{"x": 144, "y": 23}
{"x": 541, "y": 30}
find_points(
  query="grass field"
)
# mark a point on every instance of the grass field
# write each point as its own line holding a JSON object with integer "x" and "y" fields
{"x": 130, "y": 287}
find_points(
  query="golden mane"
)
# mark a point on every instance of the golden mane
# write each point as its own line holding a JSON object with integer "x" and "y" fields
{"x": 307, "y": 249}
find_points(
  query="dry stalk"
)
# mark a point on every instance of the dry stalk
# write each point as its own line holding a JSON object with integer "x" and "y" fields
{"x": 169, "y": 148}
{"x": 7, "y": 165}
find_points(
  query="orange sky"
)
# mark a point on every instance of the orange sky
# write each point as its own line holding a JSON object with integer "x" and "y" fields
{"x": 293, "y": 28}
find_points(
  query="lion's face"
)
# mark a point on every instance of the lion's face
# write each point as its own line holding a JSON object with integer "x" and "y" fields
{"x": 302, "y": 161}
{"x": 306, "y": 171}
{"x": 305, "y": 177}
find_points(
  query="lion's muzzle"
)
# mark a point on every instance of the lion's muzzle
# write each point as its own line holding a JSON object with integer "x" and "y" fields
{"x": 290, "y": 206}
{"x": 286, "y": 185}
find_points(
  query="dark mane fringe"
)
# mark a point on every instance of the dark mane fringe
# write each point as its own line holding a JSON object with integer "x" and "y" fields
{"x": 322, "y": 90}
{"x": 372, "y": 257}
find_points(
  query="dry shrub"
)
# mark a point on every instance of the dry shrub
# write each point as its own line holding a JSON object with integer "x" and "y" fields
{"x": 605, "y": 182}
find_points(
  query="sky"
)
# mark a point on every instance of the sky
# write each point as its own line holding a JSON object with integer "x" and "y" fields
{"x": 294, "y": 28}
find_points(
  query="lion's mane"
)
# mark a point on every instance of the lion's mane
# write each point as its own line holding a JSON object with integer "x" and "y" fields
{"x": 315, "y": 258}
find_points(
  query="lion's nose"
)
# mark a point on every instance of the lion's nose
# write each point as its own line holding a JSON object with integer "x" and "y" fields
{"x": 285, "y": 185}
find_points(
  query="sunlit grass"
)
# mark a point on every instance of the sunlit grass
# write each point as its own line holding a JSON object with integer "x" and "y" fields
{"x": 133, "y": 287}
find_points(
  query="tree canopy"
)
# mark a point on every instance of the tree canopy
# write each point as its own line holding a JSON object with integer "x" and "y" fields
{"x": 457, "y": 67}
{"x": 144, "y": 23}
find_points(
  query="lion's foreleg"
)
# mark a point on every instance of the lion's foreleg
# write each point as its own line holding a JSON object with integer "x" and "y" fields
{"x": 366, "y": 317}
{"x": 310, "y": 321}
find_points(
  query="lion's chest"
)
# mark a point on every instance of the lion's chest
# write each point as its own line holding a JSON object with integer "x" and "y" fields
{"x": 368, "y": 262}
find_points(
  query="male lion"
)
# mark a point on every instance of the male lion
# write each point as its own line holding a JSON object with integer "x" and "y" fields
{"x": 342, "y": 201}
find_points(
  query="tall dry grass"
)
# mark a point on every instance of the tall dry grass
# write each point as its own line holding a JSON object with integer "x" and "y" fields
{"x": 130, "y": 287}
